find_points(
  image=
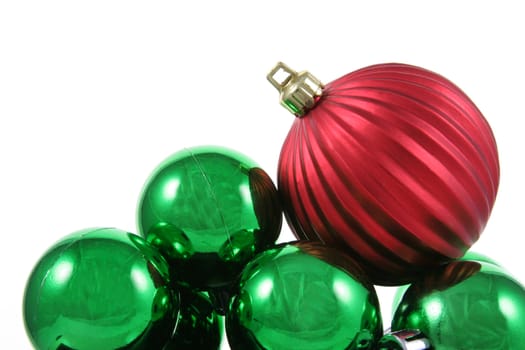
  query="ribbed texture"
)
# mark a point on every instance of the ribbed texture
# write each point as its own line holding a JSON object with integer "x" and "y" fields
{"x": 395, "y": 164}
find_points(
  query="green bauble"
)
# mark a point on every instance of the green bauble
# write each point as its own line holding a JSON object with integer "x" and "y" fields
{"x": 306, "y": 296}
{"x": 465, "y": 305}
{"x": 469, "y": 256}
{"x": 199, "y": 327}
{"x": 100, "y": 289}
{"x": 209, "y": 210}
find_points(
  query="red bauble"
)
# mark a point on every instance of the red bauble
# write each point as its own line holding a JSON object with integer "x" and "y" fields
{"x": 393, "y": 163}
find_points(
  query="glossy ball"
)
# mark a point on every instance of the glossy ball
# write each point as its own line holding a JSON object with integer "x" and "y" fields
{"x": 303, "y": 296}
{"x": 469, "y": 256}
{"x": 209, "y": 210}
{"x": 100, "y": 289}
{"x": 395, "y": 165}
{"x": 199, "y": 327}
{"x": 465, "y": 305}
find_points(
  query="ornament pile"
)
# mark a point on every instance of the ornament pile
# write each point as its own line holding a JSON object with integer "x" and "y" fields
{"x": 387, "y": 177}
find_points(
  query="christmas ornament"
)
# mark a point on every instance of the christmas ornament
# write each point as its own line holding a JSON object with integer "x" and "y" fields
{"x": 100, "y": 289}
{"x": 209, "y": 210}
{"x": 199, "y": 327}
{"x": 303, "y": 295}
{"x": 393, "y": 163}
{"x": 465, "y": 305}
{"x": 470, "y": 255}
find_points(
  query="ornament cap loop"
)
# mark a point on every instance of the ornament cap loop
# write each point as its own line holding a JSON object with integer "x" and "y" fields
{"x": 299, "y": 91}
{"x": 407, "y": 339}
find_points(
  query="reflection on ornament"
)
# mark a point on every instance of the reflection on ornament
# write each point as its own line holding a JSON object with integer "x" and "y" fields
{"x": 209, "y": 210}
{"x": 199, "y": 327}
{"x": 465, "y": 305}
{"x": 303, "y": 295}
{"x": 100, "y": 289}
{"x": 469, "y": 256}
{"x": 392, "y": 163}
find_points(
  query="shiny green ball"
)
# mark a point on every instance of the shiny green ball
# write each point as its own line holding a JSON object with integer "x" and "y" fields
{"x": 469, "y": 255}
{"x": 465, "y": 305}
{"x": 209, "y": 210}
{"x": 305, "y": 296}
{"x": 100, "y": 289}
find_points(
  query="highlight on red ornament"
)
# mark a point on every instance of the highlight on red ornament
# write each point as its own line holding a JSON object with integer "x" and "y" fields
{"x": 392, "y": 163}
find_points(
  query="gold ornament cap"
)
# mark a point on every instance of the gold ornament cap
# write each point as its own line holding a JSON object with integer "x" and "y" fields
{"x": 299, "y": 91}
{"x": 408, "y": 339}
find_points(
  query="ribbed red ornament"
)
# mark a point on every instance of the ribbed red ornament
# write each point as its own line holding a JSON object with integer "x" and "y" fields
{"x": 392, "y": 163}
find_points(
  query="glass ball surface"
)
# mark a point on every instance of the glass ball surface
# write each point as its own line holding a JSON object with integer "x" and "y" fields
{"x": 99, "y": 289}
{"x": 303, "y": 296}
{"x": 209, "y": 210}
{"x": 465, "y": 305}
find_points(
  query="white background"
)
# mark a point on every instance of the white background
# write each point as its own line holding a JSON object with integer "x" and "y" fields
{"x": 94, "y": 94}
